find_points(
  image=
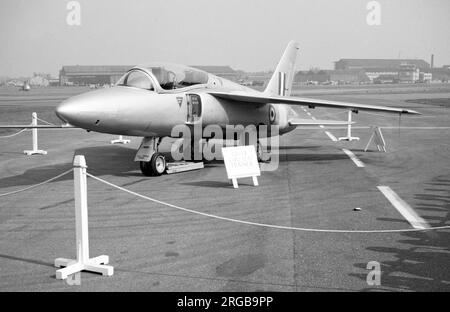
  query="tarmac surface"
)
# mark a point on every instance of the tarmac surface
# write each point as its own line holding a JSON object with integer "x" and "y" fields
{"x": 158, "y": 248}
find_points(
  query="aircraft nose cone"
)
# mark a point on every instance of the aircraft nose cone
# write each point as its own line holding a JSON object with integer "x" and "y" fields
{"x": 91, "y": 110}
{"x": 66, "y": 111}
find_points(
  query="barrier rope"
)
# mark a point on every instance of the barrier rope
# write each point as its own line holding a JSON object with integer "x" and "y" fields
{"x": 36, "y": 185}
{"x": 14, "y": 134}
{"x": 44, "y": 121}
{"x": 259, "y": 224}
{"x": 381, "y": 115}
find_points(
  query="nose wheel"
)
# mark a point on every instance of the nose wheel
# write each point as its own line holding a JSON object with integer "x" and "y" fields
{"x": 155, "y": 167}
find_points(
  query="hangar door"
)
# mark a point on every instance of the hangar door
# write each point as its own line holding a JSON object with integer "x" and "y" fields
{"x": 194, "y": 108}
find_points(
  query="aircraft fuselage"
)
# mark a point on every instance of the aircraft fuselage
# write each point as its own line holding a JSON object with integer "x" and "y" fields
{"x": 134, "y": 111}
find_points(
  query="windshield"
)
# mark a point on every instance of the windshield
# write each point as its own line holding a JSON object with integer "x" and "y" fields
{"x": 137, "y": 79}
{"x": 171, "y": 76}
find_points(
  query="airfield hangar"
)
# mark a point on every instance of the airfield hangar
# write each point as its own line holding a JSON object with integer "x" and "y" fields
{"x": 369, "y": 64}
{"x": 400, "y": 70}
{"x": 82, "y": 75}
{"x": 222, "y": 71}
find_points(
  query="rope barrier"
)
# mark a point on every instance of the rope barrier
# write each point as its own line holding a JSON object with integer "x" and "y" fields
{"x": 44, "y": 121}
{"x": 259, "y": 224}
{"x": 36, "y": 185}
{"x": 381, "y": 115}
{"x": 14, "y": 134}
{"x": 225, "y": 218}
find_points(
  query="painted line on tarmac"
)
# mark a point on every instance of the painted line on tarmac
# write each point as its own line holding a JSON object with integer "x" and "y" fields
{"x": 273, "y": 226}
{"x": 332, "y": 137}
{"x": 405, "y": 210}
{"x": 418, "y": 128}
{"x": 353, "y": 157}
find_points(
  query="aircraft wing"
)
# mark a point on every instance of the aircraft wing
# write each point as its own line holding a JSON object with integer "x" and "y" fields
{"x": 313, "y": 122}
{"x": 259, "y": 98}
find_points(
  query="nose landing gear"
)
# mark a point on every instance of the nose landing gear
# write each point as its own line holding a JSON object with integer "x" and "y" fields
{"x": 151, "y": 162}
{"x": 155, "y": 167}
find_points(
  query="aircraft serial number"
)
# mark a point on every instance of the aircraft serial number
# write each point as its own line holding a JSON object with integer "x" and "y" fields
{"x": 246, "y": 301}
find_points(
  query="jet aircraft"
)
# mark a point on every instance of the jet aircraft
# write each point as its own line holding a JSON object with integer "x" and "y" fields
{"x": 150, "y": 100}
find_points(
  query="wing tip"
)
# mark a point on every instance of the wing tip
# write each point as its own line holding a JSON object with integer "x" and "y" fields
{"x": 410, "y": 111}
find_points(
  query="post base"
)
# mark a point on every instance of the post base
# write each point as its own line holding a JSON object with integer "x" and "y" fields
{"x": 120, "y": 141}
{"x": 234, "y": 181}
{"x": 97, "y": 265}
{"x": 33, "y": 152}
{"x": 347, "y": 138}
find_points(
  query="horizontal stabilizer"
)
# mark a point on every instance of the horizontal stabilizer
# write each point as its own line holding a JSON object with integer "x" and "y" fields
{"x": 262, "y": 99}
{"x": 311, "y": 122}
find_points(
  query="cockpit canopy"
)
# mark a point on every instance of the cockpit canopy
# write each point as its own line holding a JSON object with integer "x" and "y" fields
{"x": 137, "y": 79}
{"x": 168, "y": 76}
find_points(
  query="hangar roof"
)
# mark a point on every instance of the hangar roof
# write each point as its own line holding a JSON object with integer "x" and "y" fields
{"x": 378, "y": 63}
{"x": 121, "y": 69}
{"x": 95, "y": 69}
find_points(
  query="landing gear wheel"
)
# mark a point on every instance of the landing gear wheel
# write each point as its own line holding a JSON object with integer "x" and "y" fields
{"x": 193, "y": 159}
{"x": 193, "y": 156}
{"x": 259, "y": 151}
{"x": 155, "y": 167}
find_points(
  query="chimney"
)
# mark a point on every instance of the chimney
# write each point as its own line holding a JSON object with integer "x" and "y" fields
{"x": 432, "y": 61}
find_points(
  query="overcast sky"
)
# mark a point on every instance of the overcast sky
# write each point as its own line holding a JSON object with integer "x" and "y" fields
{"x": 245, "y": 34}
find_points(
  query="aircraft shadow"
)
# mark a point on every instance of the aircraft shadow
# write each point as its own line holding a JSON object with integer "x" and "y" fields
{"x": 101, "y": 160}
{"x": 118, "y": 161}
{"x": 291, "y": 147}
{"x": 213, "y": 184}
{"x": 312, "y": 157}
{"x": 423, "y": 264}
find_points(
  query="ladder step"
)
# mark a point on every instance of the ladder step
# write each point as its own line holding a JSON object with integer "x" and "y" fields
{"x": 176, "y": 167}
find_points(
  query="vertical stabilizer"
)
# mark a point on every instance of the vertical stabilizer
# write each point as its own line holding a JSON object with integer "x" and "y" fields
{"x": 281, "y": 81}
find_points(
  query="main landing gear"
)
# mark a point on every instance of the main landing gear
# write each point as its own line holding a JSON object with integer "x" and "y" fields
{"x": 153, "y": 163}
{"x": 259, "y": 152}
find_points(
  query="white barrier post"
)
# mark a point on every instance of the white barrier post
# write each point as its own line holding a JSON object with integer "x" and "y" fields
{"x": 349, "y": 129}
{"x": 83, "y": 262}
{"x": 120, "y": 140}
{"x": 35, "y": 149}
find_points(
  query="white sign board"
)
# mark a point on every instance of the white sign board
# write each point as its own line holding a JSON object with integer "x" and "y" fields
{"x": 241, "y": 162}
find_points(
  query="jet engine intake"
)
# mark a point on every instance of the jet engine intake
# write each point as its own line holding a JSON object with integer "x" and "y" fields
{"x": 278, "y": 116}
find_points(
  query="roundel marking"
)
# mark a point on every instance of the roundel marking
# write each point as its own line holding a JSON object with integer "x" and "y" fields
{"x": 272, "y": 114}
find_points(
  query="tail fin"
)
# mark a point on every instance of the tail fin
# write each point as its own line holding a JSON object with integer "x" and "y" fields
{"x": 281, "y": 81}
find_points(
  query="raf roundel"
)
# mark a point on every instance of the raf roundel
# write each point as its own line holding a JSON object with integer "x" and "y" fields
{"x": 272, "y": 114}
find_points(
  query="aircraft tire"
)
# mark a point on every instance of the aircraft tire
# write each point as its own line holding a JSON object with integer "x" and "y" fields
{"x": 155, "y": 167}
{"x": 158, "y": 164}
{"x": 259, "y": 151}
{"x": 193, "y": 156}
{"x": 145, "y": 168}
